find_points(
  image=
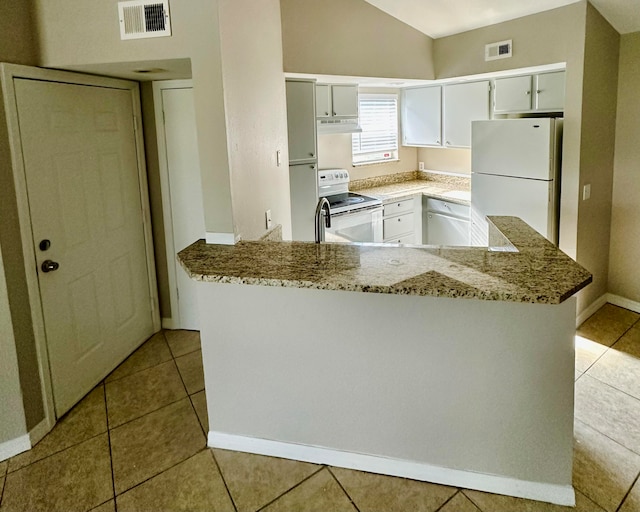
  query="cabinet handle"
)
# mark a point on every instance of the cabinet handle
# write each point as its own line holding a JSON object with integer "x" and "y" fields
{"x": 312, "y": 154}
{"x": 335, "y": 114}
{"x": 326, "y": 113}
{"x": 528, "y": 92}
{"x": 399, "y": 219}
{"x": 538, "y": 91}
{"x": 437, "y": 142}
{"x": 448, "y": 143}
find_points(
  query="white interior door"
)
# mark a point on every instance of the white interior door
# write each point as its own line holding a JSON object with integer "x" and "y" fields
{"x": 186, "y": 212}
{"x": 81, "y": 169}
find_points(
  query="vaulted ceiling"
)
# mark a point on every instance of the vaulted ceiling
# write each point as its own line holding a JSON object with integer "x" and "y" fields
{"x": 439, "y": 18}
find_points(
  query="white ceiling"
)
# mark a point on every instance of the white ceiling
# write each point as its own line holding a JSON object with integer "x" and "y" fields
{"x": 439, "y": 18}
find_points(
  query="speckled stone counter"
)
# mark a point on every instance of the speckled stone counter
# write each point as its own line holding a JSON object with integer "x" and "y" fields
{"x": 404, "y": 185}
{"x": 524, "y": 267}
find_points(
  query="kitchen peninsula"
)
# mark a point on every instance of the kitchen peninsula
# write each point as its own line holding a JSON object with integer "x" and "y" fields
{"x": 448, "y": 365}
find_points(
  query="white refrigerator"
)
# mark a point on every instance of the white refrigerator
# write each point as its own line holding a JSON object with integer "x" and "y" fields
{"x": 515, "y": 165}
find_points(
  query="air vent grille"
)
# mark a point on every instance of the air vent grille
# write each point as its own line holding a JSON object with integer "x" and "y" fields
{"x": 142, "y": 19}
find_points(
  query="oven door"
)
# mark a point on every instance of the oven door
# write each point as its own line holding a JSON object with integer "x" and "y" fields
{"x": 363, "y": 225}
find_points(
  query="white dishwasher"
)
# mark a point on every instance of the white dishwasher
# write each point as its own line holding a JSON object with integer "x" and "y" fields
{"x": 447, "y": 223}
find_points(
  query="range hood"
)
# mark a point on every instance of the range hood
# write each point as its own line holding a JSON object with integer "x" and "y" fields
{"x": 327, "y": 126}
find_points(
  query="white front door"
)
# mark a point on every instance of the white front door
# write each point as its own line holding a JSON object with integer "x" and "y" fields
{"x": 184, "y": 197}
{"x": 84, "y": 196}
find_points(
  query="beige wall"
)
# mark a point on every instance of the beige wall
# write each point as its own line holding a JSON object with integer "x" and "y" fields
{"x": 155, "y": 197}
{"x": 446, "y": 159}
{"x": 18, "y": 43}
{"x": 20, "y": 390}
{"x": 599, "y": 98}
{"x": 95, "y": 39}
{"x": 334, "y": 150}
{"x": 624, "y": 278}
{"x": 12, "y": 419}
{"x": 255, "y": 108}
{"x": 353, "y": 38}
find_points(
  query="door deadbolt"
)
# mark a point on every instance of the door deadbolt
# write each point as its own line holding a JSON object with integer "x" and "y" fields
{"x": 45, "y": 245}
{"x": 49, "y": 266}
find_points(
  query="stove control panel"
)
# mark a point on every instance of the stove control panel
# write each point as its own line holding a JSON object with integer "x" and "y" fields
{"x": 333, "y": 177}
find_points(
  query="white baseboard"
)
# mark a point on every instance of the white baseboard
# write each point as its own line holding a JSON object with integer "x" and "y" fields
{"x": 41, "y": 430}
{"x": 590, "y": 310}
{"x": 167, "y": 323}
{"x": 558, "y": 494}
{"x": 221, "y": 238}
{"x": 616, "y": 300}
{"x": 14, "y": 447}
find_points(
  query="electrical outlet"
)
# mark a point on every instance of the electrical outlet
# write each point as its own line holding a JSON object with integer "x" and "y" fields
{"x": 421, "y": 166}
{"x": 586, "y": 192}
{"x": 267, "y": 216}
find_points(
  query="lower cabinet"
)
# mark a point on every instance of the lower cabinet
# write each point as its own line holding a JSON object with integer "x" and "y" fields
{"x": 446, "y": 223}
{"x": 402, "y": 223}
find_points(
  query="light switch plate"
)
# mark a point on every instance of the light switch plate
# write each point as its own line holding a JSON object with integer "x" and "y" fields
{"x": 586, "y": 192}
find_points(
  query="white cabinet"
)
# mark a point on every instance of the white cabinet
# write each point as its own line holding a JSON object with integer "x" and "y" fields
{"x": 512, "y": 94}
{"x": 301, "y": 120}
{"x": 336, "y": 100}
{"x": 422, "y": 116}
{"x": 400, "y": 223}
{"x": 463, "y": 103}
{"x": 543, "y": 92}
{"x": 447, "y": 223}
{"x": 550, "y": 91}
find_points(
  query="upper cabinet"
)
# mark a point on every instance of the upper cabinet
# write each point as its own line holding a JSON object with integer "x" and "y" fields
{"x": 441, "y": 115}
{"x": 463, "y": 103}
{"x": 301, "y": 120}
{"x": 336, "y": 100}
{"x": 422, "y": 116}
{"x": 550, "y": 91}
{"x": 529, "y": 93}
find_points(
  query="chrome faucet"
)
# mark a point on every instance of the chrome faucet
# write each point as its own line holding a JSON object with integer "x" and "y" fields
{"x": 323, "y": 209}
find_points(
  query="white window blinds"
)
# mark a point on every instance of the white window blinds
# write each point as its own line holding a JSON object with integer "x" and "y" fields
{"x": 379, "y": 122}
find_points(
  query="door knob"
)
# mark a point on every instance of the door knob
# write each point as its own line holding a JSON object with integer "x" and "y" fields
{"x": 44, "y": 245}
{"x": 49, "y": 266}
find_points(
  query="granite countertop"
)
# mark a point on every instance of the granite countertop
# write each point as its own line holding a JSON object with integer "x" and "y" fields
{"x": 405, "y": 185}
{"x": 527, "y": 268}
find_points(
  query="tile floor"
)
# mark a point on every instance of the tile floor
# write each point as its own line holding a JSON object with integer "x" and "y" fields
{"x": 137, "y": 443}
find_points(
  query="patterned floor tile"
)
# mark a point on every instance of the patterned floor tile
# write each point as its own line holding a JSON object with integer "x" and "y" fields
{"x": 609, "y": 411}
{"x": 320, "y": 493}
{"x": 86, "y": 420}
{"x": 372, "y": 493}
{"x": 145, "y": 391}
{"x": 153, "y": 352}
{"x": 182, "y": 342}
{"x": 199, "y": 401}
{"x": 78, "y": 478}
{"x": 632, "y": 502}
{"x": 459, "y": 503}
{"x": 194, "y": 484}
{"x": 153, "y": 443}
{"x": 603, "y": 470}
{"x": 255, "y": 480}
{"x": 620, "y": 365}
{"x": 498, "y": 503}
{"x": 607, "y": 324}
{"x": 587, "y": 353}
{"x": 191, "y": 371}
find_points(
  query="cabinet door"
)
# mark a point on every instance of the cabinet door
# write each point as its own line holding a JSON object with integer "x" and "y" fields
{"x": 550, "y": 91}
{"x": 323, "y": 100}
{"x": 445, "y": 230}
{"x": 345, "y": 100}
{"x": 301, "y": 121}
{"x": 464, "y": 103}
{"x": 421, "y": 116}
{"x": 512, "y": 94}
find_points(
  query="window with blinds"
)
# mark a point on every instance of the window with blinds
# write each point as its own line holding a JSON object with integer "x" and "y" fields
{"x": 378, "y": 141}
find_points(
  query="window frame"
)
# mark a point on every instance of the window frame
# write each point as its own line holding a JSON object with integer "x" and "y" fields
{"x": 375, "y": 157}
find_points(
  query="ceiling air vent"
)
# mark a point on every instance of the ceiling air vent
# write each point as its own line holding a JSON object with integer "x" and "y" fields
{"x": 143, "y": 18}
{"x": 499, "y": 50}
